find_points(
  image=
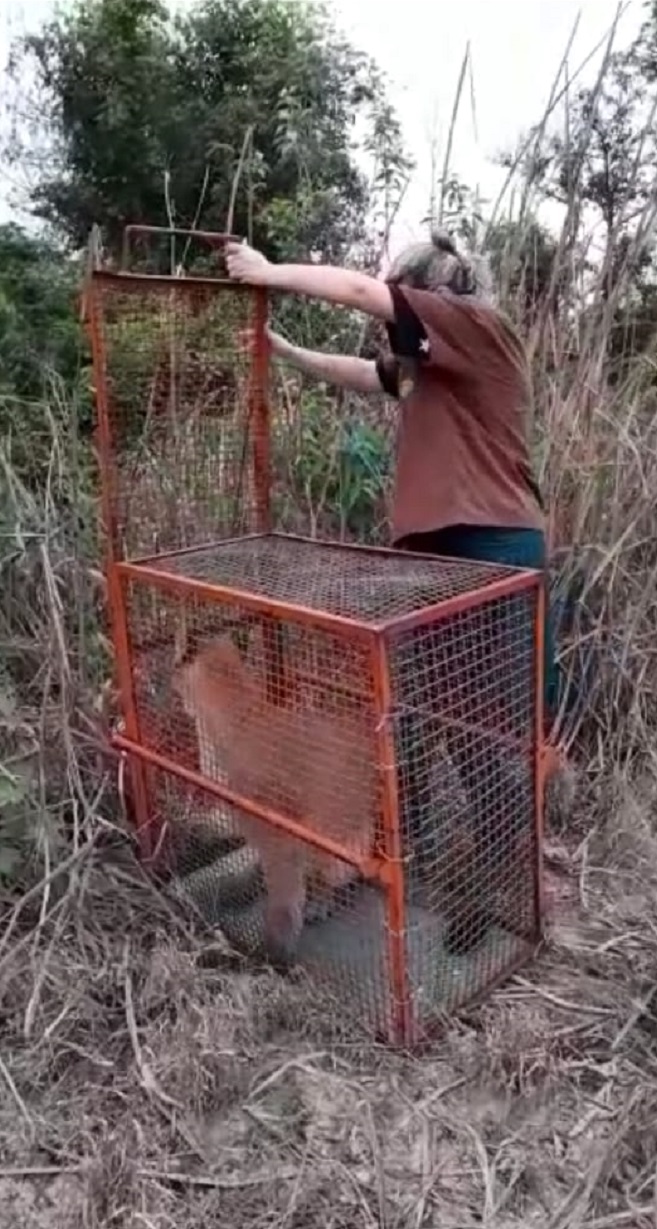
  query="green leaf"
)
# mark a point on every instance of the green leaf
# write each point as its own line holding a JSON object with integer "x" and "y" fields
{"x": 12, "y": 789}
{"x": 10, "y": 860}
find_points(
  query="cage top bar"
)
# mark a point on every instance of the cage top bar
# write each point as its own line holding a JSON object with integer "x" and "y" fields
{"x": 524, "y": 581}
{"x": 168, "y": 281}
{"x": 356, "y": 625}
{"x": 212, "y": 239}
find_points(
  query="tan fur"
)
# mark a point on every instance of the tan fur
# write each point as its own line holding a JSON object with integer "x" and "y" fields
{"x": 306, "y": 765}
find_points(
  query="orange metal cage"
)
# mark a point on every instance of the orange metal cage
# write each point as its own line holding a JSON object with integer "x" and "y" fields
{"x": 380, "y": 619}
{"x": 406, "y": 689}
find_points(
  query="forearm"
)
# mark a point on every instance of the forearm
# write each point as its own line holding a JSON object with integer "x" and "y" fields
{"x": 343, "y": 370}
{"x": 341, "y": 286}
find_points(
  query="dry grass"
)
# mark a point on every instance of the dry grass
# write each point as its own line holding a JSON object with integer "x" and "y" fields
{"x": 148, "y": 1080}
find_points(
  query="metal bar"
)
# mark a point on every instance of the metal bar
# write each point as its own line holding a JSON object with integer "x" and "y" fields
{"x": 428, "y": 1033}
{"x": 215, "y": 544}
{"x": 126, "y": 282}
{"x": 223, "y": 595}
{"x": 115, "y": 597}
{"x": 402, "y": 1015}
{"x": 521, "y": 582}
{"x": 259, "y": 414}
{"x": 212, "y": 238}
{"x": 539, "y": 758}
{"x": 258, "y": 417}
{"x": 369, "y": 867}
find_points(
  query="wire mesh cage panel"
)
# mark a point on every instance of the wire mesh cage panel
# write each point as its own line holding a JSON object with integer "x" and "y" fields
{"x": 366, "y": 586}
{"x": 182, "y": 415}
{"x": 464, "y": 694}
{"x": 340, "y": 757}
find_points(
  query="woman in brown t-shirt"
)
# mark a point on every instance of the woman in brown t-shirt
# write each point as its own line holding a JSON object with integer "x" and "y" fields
{"x": 464, "y": 485}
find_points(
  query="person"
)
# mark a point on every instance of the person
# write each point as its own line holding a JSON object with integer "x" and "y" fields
{"x": 464, "y": 485}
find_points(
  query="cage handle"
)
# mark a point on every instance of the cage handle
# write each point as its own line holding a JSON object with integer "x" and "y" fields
{"x": 213, "y": 239}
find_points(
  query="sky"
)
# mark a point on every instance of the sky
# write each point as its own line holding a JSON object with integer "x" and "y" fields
{"x": 516, "y": 47}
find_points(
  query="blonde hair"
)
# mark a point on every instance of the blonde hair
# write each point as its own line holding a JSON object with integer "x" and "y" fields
{"x": 438, "y": 264}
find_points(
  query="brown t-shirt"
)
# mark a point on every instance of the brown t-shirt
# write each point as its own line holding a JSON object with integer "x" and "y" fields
{"x": 462, "y": 381}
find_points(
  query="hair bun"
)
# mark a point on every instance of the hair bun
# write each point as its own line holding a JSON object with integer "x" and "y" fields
{"x": 443, "y": 242}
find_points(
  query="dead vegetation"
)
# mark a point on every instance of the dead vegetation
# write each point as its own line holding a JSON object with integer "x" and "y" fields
{"x": 150, "y": 1080}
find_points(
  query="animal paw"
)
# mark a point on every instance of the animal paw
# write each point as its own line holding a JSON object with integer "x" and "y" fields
{"x": 282, "y": 931}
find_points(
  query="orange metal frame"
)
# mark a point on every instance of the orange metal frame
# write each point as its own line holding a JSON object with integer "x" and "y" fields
{"x": 148, "y": 837}
{"x": 385, "y": 866}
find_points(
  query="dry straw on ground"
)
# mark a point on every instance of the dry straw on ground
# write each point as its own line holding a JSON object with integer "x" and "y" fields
{"x": 148, "y": 1080}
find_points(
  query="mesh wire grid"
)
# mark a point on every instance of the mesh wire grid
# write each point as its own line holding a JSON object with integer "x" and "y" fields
{"x": 464, "y": 696}
{"x": 295, "y": 730}
{"x": 352, "y": 582}
{"x": 179, "y": 389}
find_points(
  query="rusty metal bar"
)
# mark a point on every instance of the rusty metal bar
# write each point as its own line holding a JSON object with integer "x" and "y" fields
{"x": 539, "y": 758}
{"x": 200, "y": 548}
{"x": 371, "y": 867}
{"x": 115, "y": 598}
{"x": 259, "y": 414}
{"x": 521, "y": 582}
{"x": 402, "y": 1016}
{"x": 213, "y": 239}
{"x": 434, "y": 1028}
{"x": 386, "y": 552}
{"x": 165, "y": 282}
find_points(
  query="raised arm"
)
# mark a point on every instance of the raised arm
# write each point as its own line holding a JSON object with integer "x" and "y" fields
{"x": 343, "y": 370}
{"x": 341, "y": 286}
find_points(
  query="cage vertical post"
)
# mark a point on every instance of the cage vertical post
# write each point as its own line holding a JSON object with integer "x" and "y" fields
{"x": 259, "y": 420}
{"x": 259, "y": 413}
{"x": 116, "y": 606}
{"x": 539, "y": 744}
{"x": 392, "y": 872}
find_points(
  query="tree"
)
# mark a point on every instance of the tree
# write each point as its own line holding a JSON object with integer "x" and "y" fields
{"x": 43, "y": 359}
{"x": 148, "y": 116}
{"x": 39, "y": 333}
{"x": 523, "y": 256}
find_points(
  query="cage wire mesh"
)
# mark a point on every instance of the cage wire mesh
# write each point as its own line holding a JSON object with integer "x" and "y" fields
{"x": 365, "y": 585}
{"x": 464, "y": 696}
{"x": 180, "y": 388}
{"x": 240, "y": 675}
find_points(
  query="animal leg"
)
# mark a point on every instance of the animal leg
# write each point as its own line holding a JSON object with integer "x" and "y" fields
{"x": 286, "y": 899}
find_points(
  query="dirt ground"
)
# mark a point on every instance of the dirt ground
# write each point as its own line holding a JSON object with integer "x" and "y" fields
{"x": 148, "y": 1081}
